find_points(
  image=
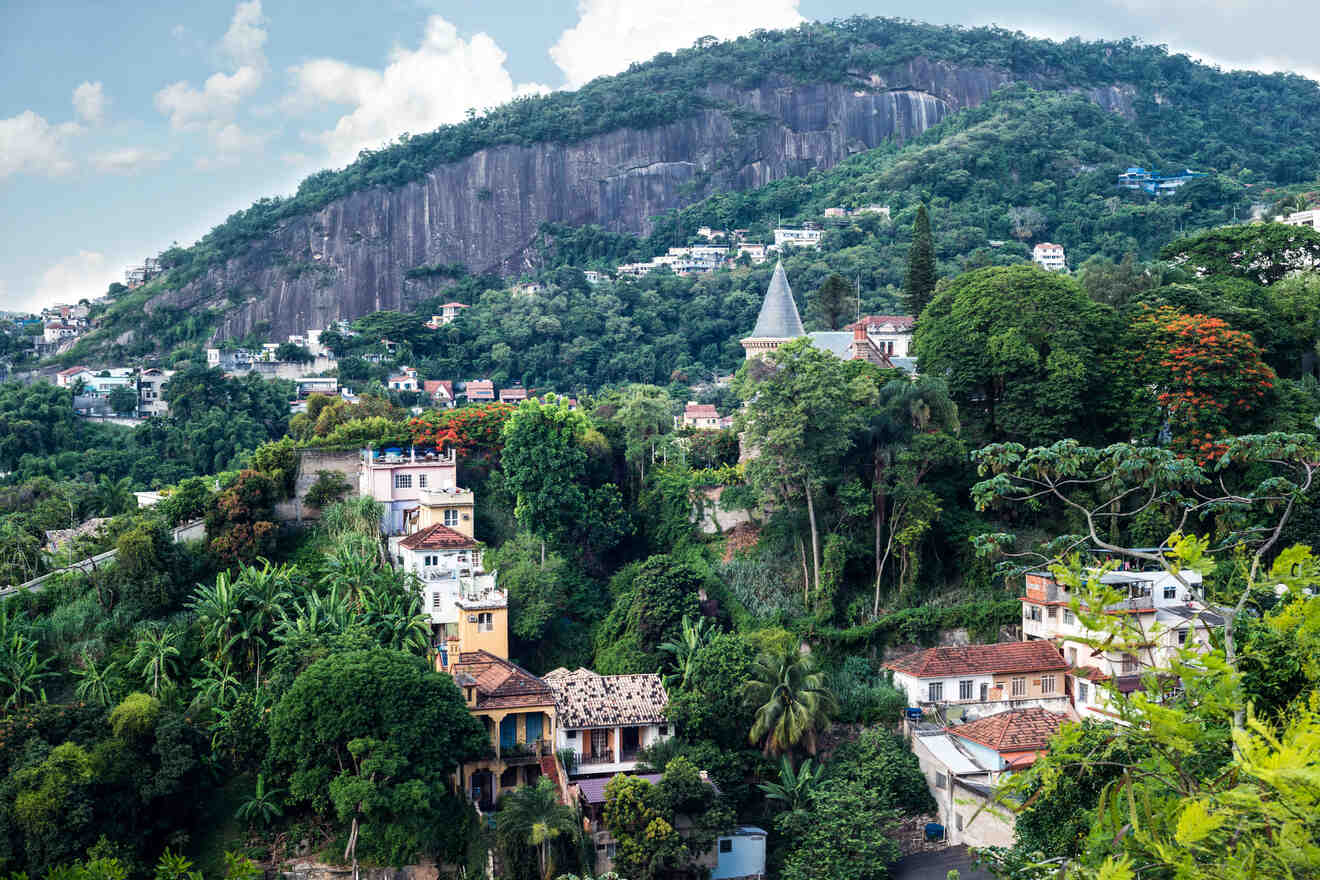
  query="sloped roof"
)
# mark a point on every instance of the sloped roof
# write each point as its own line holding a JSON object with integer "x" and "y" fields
{"x": 1034, "y": 656}
{"x": 901, "y": 322}
{"x": 72, "y": 371}
{"x": 437, "y": 537}
{"x": 515, "y": 393}
{"x": 501, "y": 684}
{"x": 431, "y": 386}
{"x": 779, "y": 317}
{"x": 1018, "y": 730}
{"x": 585, "y": 699}
{"x": 593, "y": 788}
{"x": 701, "y": 411}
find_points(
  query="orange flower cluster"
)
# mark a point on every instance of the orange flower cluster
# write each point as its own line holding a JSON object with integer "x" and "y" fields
{"x": 466, "y": 430}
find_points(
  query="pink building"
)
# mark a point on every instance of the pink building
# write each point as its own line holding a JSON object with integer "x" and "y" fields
{"x": 396, "y": 478}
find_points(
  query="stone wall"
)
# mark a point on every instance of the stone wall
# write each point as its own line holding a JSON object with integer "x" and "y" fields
{"x": 310, "y": 463}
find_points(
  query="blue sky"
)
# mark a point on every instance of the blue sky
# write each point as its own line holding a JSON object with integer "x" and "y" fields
{"x": 126, "y": 127}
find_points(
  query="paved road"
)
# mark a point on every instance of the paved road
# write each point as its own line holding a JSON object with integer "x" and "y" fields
{"x": 936, "y": 866}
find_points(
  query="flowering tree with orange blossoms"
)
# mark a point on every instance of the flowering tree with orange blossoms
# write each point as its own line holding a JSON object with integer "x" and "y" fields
{"x": 1208, "y": 379}
{"x": 469, "y": 430}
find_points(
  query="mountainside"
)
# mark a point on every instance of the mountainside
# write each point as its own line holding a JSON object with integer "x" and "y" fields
{"x": 387, "y": 232}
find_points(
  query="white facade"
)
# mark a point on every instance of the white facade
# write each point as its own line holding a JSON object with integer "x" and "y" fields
{"x": 960, "y": 783}
{"x": 448, "y": 576}
{"x": 151, "y": 392}
{"x": 1303, "y": 218}
{"x": 591, "y": 755}
{"x": 797, "y": 238}
{"x": 1049, "y": 257}
{"x": 951, "y": 689}
{"x": 740, "y": 854}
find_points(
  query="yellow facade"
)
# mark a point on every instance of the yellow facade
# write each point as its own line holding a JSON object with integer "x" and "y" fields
{"x": 482, "y": 628}
{"x": 452, "y": 509}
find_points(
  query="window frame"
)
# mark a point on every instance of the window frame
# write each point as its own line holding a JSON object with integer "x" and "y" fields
{"x": 1047, "y": 684}
{"x": 403, "y": 481}
{"x": 934, "y": 691}
{"x": 1018, "y": 686}
{"x": 966, "y": 689}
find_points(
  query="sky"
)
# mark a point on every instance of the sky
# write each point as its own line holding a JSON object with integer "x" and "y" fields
{"x": 127, "y": 127}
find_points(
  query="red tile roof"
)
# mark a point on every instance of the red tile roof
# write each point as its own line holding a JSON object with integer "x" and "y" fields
{"x": 454, "y": 305}
{"x": 507, "y": 394}
{"x": 501, "y": 684}
{"x": 70, "y": 371}
{"x": 700, "y": 411}
{"x": 1005, "y": 657}
{"x": 431, "y": 386}
{"x": 437, "y": 537}
{"x": 480, "y": 388}
{"x": 1019, "y": 730}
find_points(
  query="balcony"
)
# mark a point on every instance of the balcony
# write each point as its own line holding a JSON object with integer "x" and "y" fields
{"x": 526, "y": 753}
{"x": 596, "y": 758}
{"x": 627, "y": 755}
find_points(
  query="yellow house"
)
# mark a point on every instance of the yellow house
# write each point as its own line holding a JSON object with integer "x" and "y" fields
{"x": 452, "y": 507}
{"x": 518, "y": 710}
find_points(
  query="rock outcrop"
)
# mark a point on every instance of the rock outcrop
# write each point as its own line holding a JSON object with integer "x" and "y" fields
{"x": 351, "y": 257}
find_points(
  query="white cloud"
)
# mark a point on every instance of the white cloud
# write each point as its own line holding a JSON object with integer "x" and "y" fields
{"x": 87, "y": 274}
{"x": 242, "y": 44}
{"x": 28, "y": 143}
{"x": 127, "y": 160}
{"x": 611, "y": 34}
{"x": 417, "y": 91}
{"x": 217, "y": 98}
{"x": 89, "y": 102}
{"x": 228, "y": 144}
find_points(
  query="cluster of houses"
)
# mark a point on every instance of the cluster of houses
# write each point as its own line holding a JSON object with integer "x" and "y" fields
{"x": 92, "y": 390}
{"x": 726, "y": 248}
{"x": 979, "y": 713}
{"x": 1156, "y": 184}
{"x": 576, "y": 727}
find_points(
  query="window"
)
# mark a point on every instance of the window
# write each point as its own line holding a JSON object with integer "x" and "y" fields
{"x": 403, "y": 481}
{"x": 1019, "y": 687}
{"x": 1129, "y": 665}
{"x": 572, "y": 734}
{"x": 664, "y": 730}
{"x": 941, "y": 781}
{"x": 958, "y": 821}
{"x": 451, "y": 518}
{"x": 1068, "y": 616}
{"x": 726, "y": 844}
{"x": 1047, "y": 684}
{"x": 1033, "y": 612}
{"x": 1082, "y": 688}
{"x": 485, "y": 622}
{"x": 965, "y": 689}
{"x": 1052, "y": 612}
{"x": 936, "y": 691}
{"x": 1171, "y": 591}
{"x": 1072, "y": 656}
{"x": 421, "y": 481}
{"x": 985, "y": 692}
{"x": 1182, "y": 637}
{"x": 435, "y": 601}
{"x": 430, "y": 560}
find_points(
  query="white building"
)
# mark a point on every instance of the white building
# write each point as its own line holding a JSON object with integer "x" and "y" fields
{"x": 807, "y": 237}
{"x": 606, "y": 720}
{"x": 892, "y": 334}
{"x": 1303, "y": 218}
{"x": 406, "y": 381}
{"x": 448, "y": 565}
{"x": 755, "y": 252}
{"x": 1163, "y": 611}
{"x": 56, "y": 333}
{"x": 594, "y": 277}
{"x": 984, "y": 679}
{"x": 1049, "y": 256}
{"x": 151, "y": 392}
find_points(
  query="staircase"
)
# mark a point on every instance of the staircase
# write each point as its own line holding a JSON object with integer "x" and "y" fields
{"x": 554, "y": 771}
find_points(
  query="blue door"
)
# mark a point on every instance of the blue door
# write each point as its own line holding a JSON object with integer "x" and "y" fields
{"x": 534, "y": 721}
{"x": 508, "y": 731}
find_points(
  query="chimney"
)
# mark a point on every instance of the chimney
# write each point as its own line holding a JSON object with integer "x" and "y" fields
{"x": 859, "y": 332}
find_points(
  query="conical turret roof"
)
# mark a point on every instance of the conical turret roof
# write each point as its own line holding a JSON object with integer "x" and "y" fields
{"x": 779, "y": 317}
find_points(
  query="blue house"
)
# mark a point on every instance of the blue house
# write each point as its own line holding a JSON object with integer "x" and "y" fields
{"x": 740, "y": 854}
{"x": 1156, "y": 184}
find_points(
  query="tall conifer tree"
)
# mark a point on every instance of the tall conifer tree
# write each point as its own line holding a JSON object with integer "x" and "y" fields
{"x": 919, "y": 285}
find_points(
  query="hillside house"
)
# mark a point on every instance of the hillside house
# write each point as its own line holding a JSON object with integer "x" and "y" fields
{"x": 440, "y": 391}
{"x": 151, "y": 392}
{"x": 701, "y": 416}
{"x": 965, "y": 764}
{"x": 593, "y": 277}
{"x": 778, "y": 323}
{"x": 396, "y": 478}
{"x": 68, "y": 377}
{"x": 480, "y": 391}
{"x": 516, "y": 394}
{"x": 1165, "y": 612}
{"x": 448, "y": 566}
{"x": 892, "y": 334}
{"x": 1049, "y": 256}
{"x": 1150, "y": 182}
{"x": 53, "y": 334}
{"x": 406, "y": 381}
{"x": 518, "y": 710}
{"x": 606, "y": 720}
{"x": 449, "y": 313}
{"x": 985, "y": 678}
{"x": 1303, "y": 218}
{"x": 806, "y": 237}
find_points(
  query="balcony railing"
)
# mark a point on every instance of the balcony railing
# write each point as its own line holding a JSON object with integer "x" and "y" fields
{"x": 596, "y": 758}
{"x": 630, "y": 754}
{"x": 526, "y": 753}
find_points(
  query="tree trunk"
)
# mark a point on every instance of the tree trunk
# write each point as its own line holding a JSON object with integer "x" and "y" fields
{"x": 815, "y": 538}
{"x": 350, "y": 851}
{"x": 879, "y": 505}
{"x": 806, "y": 577}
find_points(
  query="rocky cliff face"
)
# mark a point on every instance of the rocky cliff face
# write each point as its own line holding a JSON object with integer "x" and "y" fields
{"x": 350, "y": 258}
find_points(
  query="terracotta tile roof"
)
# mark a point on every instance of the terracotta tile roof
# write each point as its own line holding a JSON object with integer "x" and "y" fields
{"x": 700, "y": 411}
{"x": 1019, "y": 730}
{"x": 585, "y": 699}
{"x": 501, "y": 684}
{"x": 481, "y": 388}
{"x": 454, "y": 305}
{"x": 71, "y": 371}
{"x": 508, "y": 394}
{"x": 431, "y": 386}
{"x": 1004, "y": 657}
{"x": 437, "y": 537}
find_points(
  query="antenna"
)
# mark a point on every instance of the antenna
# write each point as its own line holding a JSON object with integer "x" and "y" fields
{"x": 859, "y": 296}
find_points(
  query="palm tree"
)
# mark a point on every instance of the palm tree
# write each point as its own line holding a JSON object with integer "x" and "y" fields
{"x": 93, "y": 682}
{"x": 391, "y": 607}
{"x": 794, "y": 788}
{"x": 21, "y": 672}
{"x": 533, "y": 816}
{"x": 218, "y": 687}
{"x": 219, "y": 610}
{"x": 791, "y": 701}
{"x": 263, "y": 806}
{"x": 692, "y": 638}
{"x": 155, "y": 657}
{"x": 113, "y": 497}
